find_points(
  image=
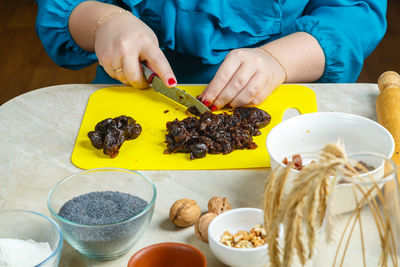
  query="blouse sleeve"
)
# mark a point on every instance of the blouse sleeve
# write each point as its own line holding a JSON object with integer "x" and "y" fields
{"x": 52, "y": 29}
{"x": 347, "y": 30}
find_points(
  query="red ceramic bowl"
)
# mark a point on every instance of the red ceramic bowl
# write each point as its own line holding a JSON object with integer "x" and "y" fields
{"x": 167, "y": 255}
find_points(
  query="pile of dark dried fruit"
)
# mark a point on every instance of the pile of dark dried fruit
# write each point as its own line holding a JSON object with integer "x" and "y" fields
{"x": 109, "y": 134}
{"x": 216, "y": 133}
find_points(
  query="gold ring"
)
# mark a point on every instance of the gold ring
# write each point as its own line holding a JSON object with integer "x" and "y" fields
{"x": 118, "y": 70}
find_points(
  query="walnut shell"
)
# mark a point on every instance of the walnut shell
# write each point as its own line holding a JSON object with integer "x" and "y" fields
{"x": 218, "y": 205}
{"x": 201, "y": 226}
{"x": 184, "y": 212}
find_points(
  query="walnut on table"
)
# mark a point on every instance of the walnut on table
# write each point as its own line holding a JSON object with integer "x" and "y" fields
{"x": 218, "y": 205}
{"x": 184, "y": 212}
{"x": 201, "y": 226}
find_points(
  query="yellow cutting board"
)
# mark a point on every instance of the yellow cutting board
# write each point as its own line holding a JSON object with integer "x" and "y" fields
{"x": 153, "y": 110}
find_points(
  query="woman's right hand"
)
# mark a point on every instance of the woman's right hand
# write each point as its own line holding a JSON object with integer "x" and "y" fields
{"x": 123, "y": 42}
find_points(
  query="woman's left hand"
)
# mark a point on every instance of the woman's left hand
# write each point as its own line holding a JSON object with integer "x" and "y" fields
{"x": 247, "y": 76}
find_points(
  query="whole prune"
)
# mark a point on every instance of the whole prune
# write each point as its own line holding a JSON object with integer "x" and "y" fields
{"x": 113, "y": 141}
{"x": 96, "y": 139}
{"x": 103, "y": 125}
{"x": 132, "y": 131}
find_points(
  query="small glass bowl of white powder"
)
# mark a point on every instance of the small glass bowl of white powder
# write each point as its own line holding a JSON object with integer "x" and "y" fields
{"x": 28, "y": 238}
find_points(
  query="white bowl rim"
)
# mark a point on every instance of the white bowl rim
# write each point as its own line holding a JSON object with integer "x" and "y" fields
{"x": 60, "y": 233}
{"x": 144, "y": 211}
{"x": 227, "y": 213}
{"x": 328, "y": 113}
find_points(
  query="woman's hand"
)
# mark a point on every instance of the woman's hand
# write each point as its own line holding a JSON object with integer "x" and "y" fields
{"x": 122, "y": 42}
{"x": 247, "y": 76}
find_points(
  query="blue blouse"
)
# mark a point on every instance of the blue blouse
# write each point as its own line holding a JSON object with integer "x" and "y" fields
{"x": 196, "y": 35}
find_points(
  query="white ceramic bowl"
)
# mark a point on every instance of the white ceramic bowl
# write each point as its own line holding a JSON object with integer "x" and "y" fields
{"x": 311, "y": 132}
{"x": 233, "y": 221}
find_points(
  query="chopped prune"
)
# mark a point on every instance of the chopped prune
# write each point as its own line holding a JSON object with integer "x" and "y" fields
{"x": 254, "y": 116}
{"x": 362, "y": 167}
{"x": 194, "y": 111}
{"x": 198, "y": 150}
{"x": 216, "y": 133}
{"x": 297, "y": 164}
{"x": 109, "y": 134}
{"x": 296, "y": 160}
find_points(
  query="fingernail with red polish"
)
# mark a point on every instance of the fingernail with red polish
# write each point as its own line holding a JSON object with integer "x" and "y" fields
{"x": 205, "y": 102}
{"x": 213, "y": 108}
{"x": 171, "y": 81}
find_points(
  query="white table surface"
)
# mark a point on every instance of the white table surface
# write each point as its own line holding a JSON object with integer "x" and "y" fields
{"x": 38, "y": 131}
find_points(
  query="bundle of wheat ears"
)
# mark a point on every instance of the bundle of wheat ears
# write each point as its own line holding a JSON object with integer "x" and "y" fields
{"x": 301, "y": 207}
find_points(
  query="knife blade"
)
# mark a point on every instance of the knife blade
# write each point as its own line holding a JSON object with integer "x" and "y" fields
{"x": 174, "y": 93}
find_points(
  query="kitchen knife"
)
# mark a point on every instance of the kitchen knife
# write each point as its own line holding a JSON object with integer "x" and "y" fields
{"x": 174, "y": 93}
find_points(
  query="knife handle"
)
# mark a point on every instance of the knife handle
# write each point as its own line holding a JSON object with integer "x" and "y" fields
{"x": 148, "y": 74}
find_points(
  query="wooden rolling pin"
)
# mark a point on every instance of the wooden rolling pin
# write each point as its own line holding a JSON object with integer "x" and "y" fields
{"x": 388, "y": 112}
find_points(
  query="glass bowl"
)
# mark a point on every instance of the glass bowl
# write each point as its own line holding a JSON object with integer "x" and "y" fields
{"x": 26, "y": 225}
{"x": 110, "y": 240}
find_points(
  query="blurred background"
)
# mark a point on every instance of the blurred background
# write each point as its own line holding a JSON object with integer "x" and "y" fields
{"x": 25, "y": 65}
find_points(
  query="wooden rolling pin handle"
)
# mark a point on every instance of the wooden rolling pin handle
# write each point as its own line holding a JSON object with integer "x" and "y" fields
{"x": 389, "y": 79}
{"x": 388, "y": 107}
{"x": 388, "y": 113}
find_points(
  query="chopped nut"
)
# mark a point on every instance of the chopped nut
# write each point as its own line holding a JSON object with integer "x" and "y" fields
{"x": 227, "y": 233}
{"x": 243, "y": 244}
{"x": 242, "y": 239}
{"x": 246, "y": 235}
{"x": 237, "y": 237}
{"x": 227, "y": 238}
{"x": 228, "y": 243}
{"x": 257, "y": 241}
{"x": 258, "y": 230}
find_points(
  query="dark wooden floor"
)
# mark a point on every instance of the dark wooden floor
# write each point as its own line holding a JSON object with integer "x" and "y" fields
{"x": 25, "y": 65}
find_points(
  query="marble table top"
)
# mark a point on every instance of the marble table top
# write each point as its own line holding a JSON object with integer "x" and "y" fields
{"x": 37, "y": 135}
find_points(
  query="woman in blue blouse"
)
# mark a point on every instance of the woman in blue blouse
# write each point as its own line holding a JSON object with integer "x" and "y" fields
{"x": 243, "y": 49}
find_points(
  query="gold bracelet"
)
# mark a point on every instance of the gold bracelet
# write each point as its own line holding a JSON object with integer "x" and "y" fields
{"x": 107, "y": 17}
{"x": 277, "y": 60}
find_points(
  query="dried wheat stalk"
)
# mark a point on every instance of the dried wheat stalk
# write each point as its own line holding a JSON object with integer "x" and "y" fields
{"x": 303, "y": 209}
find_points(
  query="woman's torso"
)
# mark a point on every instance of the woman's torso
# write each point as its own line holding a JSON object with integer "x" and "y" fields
{"x": 197, "y": 35}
